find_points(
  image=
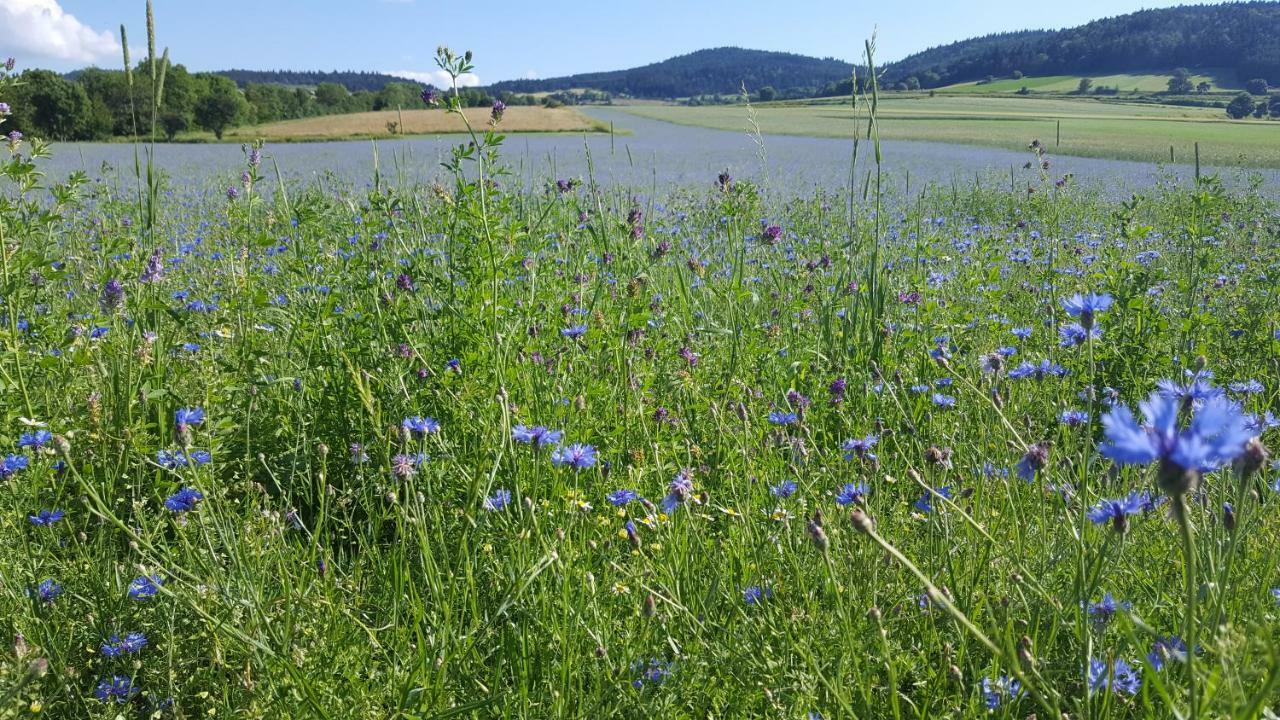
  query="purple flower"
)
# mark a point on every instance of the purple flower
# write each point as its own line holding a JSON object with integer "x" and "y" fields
{"x": 495, "y": 112}
{"x": 116, "y": 687}
{"x": 183, "y": 501}
{"x": 115, "y": 646}
{"x": 619, "y": 498}
{"x": 12, "y": 464}
{"x": 430, "y": 96}
{"x": 1106, "y": 608}
{"x": 419, "y": 426}
{"x": 860, "y": 448}
{"x": 679, "y": 491}
{"x": 852, "y": 493}
{"x": 537, "y": 436}
{"x": 755, "y": 595}
{"x": 1117, "y": 512}
{"x": 1216, "y": 435}
{"x": 783, "y": 490}
{"x": 35, "y": 440}
{"x": 576, "y": 456}
{"x": 45, "y": 518}
{"x": 498, "y": 500}
{"x": 925, "y": 503}
{"x": 145, "y": 586}
{"x": 4, "y": 108}
{"x": 1085, "y": 307}
{"x": 48, "y": 591}
{"x": 186, "y": 417}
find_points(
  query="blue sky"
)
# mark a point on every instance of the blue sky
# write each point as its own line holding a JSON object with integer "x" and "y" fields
{"x": 529, "y": 38}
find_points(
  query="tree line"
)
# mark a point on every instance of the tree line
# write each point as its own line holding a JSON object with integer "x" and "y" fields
{"x": 97, "y": 104}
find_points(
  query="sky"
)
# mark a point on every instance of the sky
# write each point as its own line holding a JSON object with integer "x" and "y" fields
{"x": 511, "y": 39}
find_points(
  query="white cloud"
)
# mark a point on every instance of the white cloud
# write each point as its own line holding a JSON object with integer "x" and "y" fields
{"x": 40, "y": 30}
{"x": 438, "y": 78}
{"x": 530, "y": 74}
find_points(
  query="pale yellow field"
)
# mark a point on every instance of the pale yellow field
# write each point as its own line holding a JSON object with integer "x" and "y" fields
{"x": 417, "y": 122}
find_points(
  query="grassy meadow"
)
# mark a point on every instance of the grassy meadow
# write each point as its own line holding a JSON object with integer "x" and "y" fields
{"x": 1124, "y": 82}
{"x": 473, "y": 449}
{"x": 1091, "y": 128}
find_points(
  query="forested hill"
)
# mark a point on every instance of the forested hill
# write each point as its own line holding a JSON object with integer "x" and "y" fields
{"x": 1243, "y": 37}
{"x": 353, "y": 81}
{"x": 705, "y": 72}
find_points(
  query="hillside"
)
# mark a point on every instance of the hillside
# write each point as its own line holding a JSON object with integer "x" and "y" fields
{"x": 705, "y": 72}
{"x": 1242, "y": 38}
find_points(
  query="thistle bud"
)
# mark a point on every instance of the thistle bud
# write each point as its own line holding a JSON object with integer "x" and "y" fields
{"x": 862, "y": 522}
{"x": 650, "y": 607}
{"x": 1228, "y": 517}
{"x": 818, "y": 536}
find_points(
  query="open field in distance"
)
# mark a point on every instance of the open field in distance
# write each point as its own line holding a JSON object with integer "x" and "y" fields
{"x": 1131, "y": 131}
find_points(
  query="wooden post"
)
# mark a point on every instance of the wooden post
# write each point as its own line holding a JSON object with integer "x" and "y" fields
{"x": 400, "y": 117}
{"x": 1171, "y": 154}
{"x": 1058, "y": 140}
{"x": 1197, "y": 162}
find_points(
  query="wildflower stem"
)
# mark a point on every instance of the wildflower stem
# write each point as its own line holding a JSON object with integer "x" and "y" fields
{"x": 1189, "y": 569}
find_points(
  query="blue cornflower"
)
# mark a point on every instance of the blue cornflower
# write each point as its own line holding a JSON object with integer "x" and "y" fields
{"x": 116, "y": 646}
{"x": 852, "y": 493}
{"x": 35, "y": 440}
{"x": 12, "y": 464}
{"x": 420, "y": 426}
{"x": 185, "y": 500}
{"x": 1216, "y": 435}
{"x": 678, "y": 491}
{"x": 1248, "y": 387}
{"x": 1106, "y": 608}
{"x": 778, "y": 417}
{"x": 1074, "y": 335}
{"x": 1117, "y": 512}
{"x": 994, "y": 691}
{"x": 784, "y": 489}
{"x": 1275, "y": 593}
{"x": 1022, "y": 333}
{"x": 45, "y": 517}
{"x": 860, "y": 448}
{"x": 1032, "y": 461}
{"x": 1074, "y": 418}
{"x": 537, "y": 436}
{"x": 619, "y": 498}
{"x": 574, "y": 331}
{"x": 1165, "y": 649}
{"x": 944, "y": 401}
{"x": 145, "y": 586}
{"x": 925, "y": 503}
{"x": 498, "y": 500}
{"x": 117, "y": 687}
{"x": 755, "y": 594}
{"x": 48, "y": 591}
{"x": 185, "y": 417}
{"x": 576, "y": 456}
{"x": 1195, "y": 392}
{"x": 1039, "y": 371}
{"x": 652, "y": 673}
{"x": 1125, "y": 679}
{"x": 1086, "y": 307}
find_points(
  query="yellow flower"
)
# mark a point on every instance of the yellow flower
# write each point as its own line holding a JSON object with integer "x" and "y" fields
{"x": 620, "y": 589}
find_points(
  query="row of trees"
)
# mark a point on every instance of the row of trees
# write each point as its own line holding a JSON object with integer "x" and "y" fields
{"x": 1244, "y": 105}
{"x": 96, "y": 104}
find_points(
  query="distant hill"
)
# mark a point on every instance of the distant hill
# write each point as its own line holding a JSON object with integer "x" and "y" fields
{"x": 1241, "y": 37}
{"x": 705, "y": 72}
{"x": 353, "y": 81}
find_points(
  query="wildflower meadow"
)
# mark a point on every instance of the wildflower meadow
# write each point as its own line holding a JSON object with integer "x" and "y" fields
{"x": 483, "y": 449}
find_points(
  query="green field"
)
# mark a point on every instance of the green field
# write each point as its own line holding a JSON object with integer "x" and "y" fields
{"x": 1126, "y": 82}
{"x": 1089, "y": 127}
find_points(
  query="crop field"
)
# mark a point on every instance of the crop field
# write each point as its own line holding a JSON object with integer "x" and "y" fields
{"x": 1089, "y": 128}
{"x": 468, "y": 449}
{"x": 414, "y": 122}
{"x": 1125, "y": 82}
